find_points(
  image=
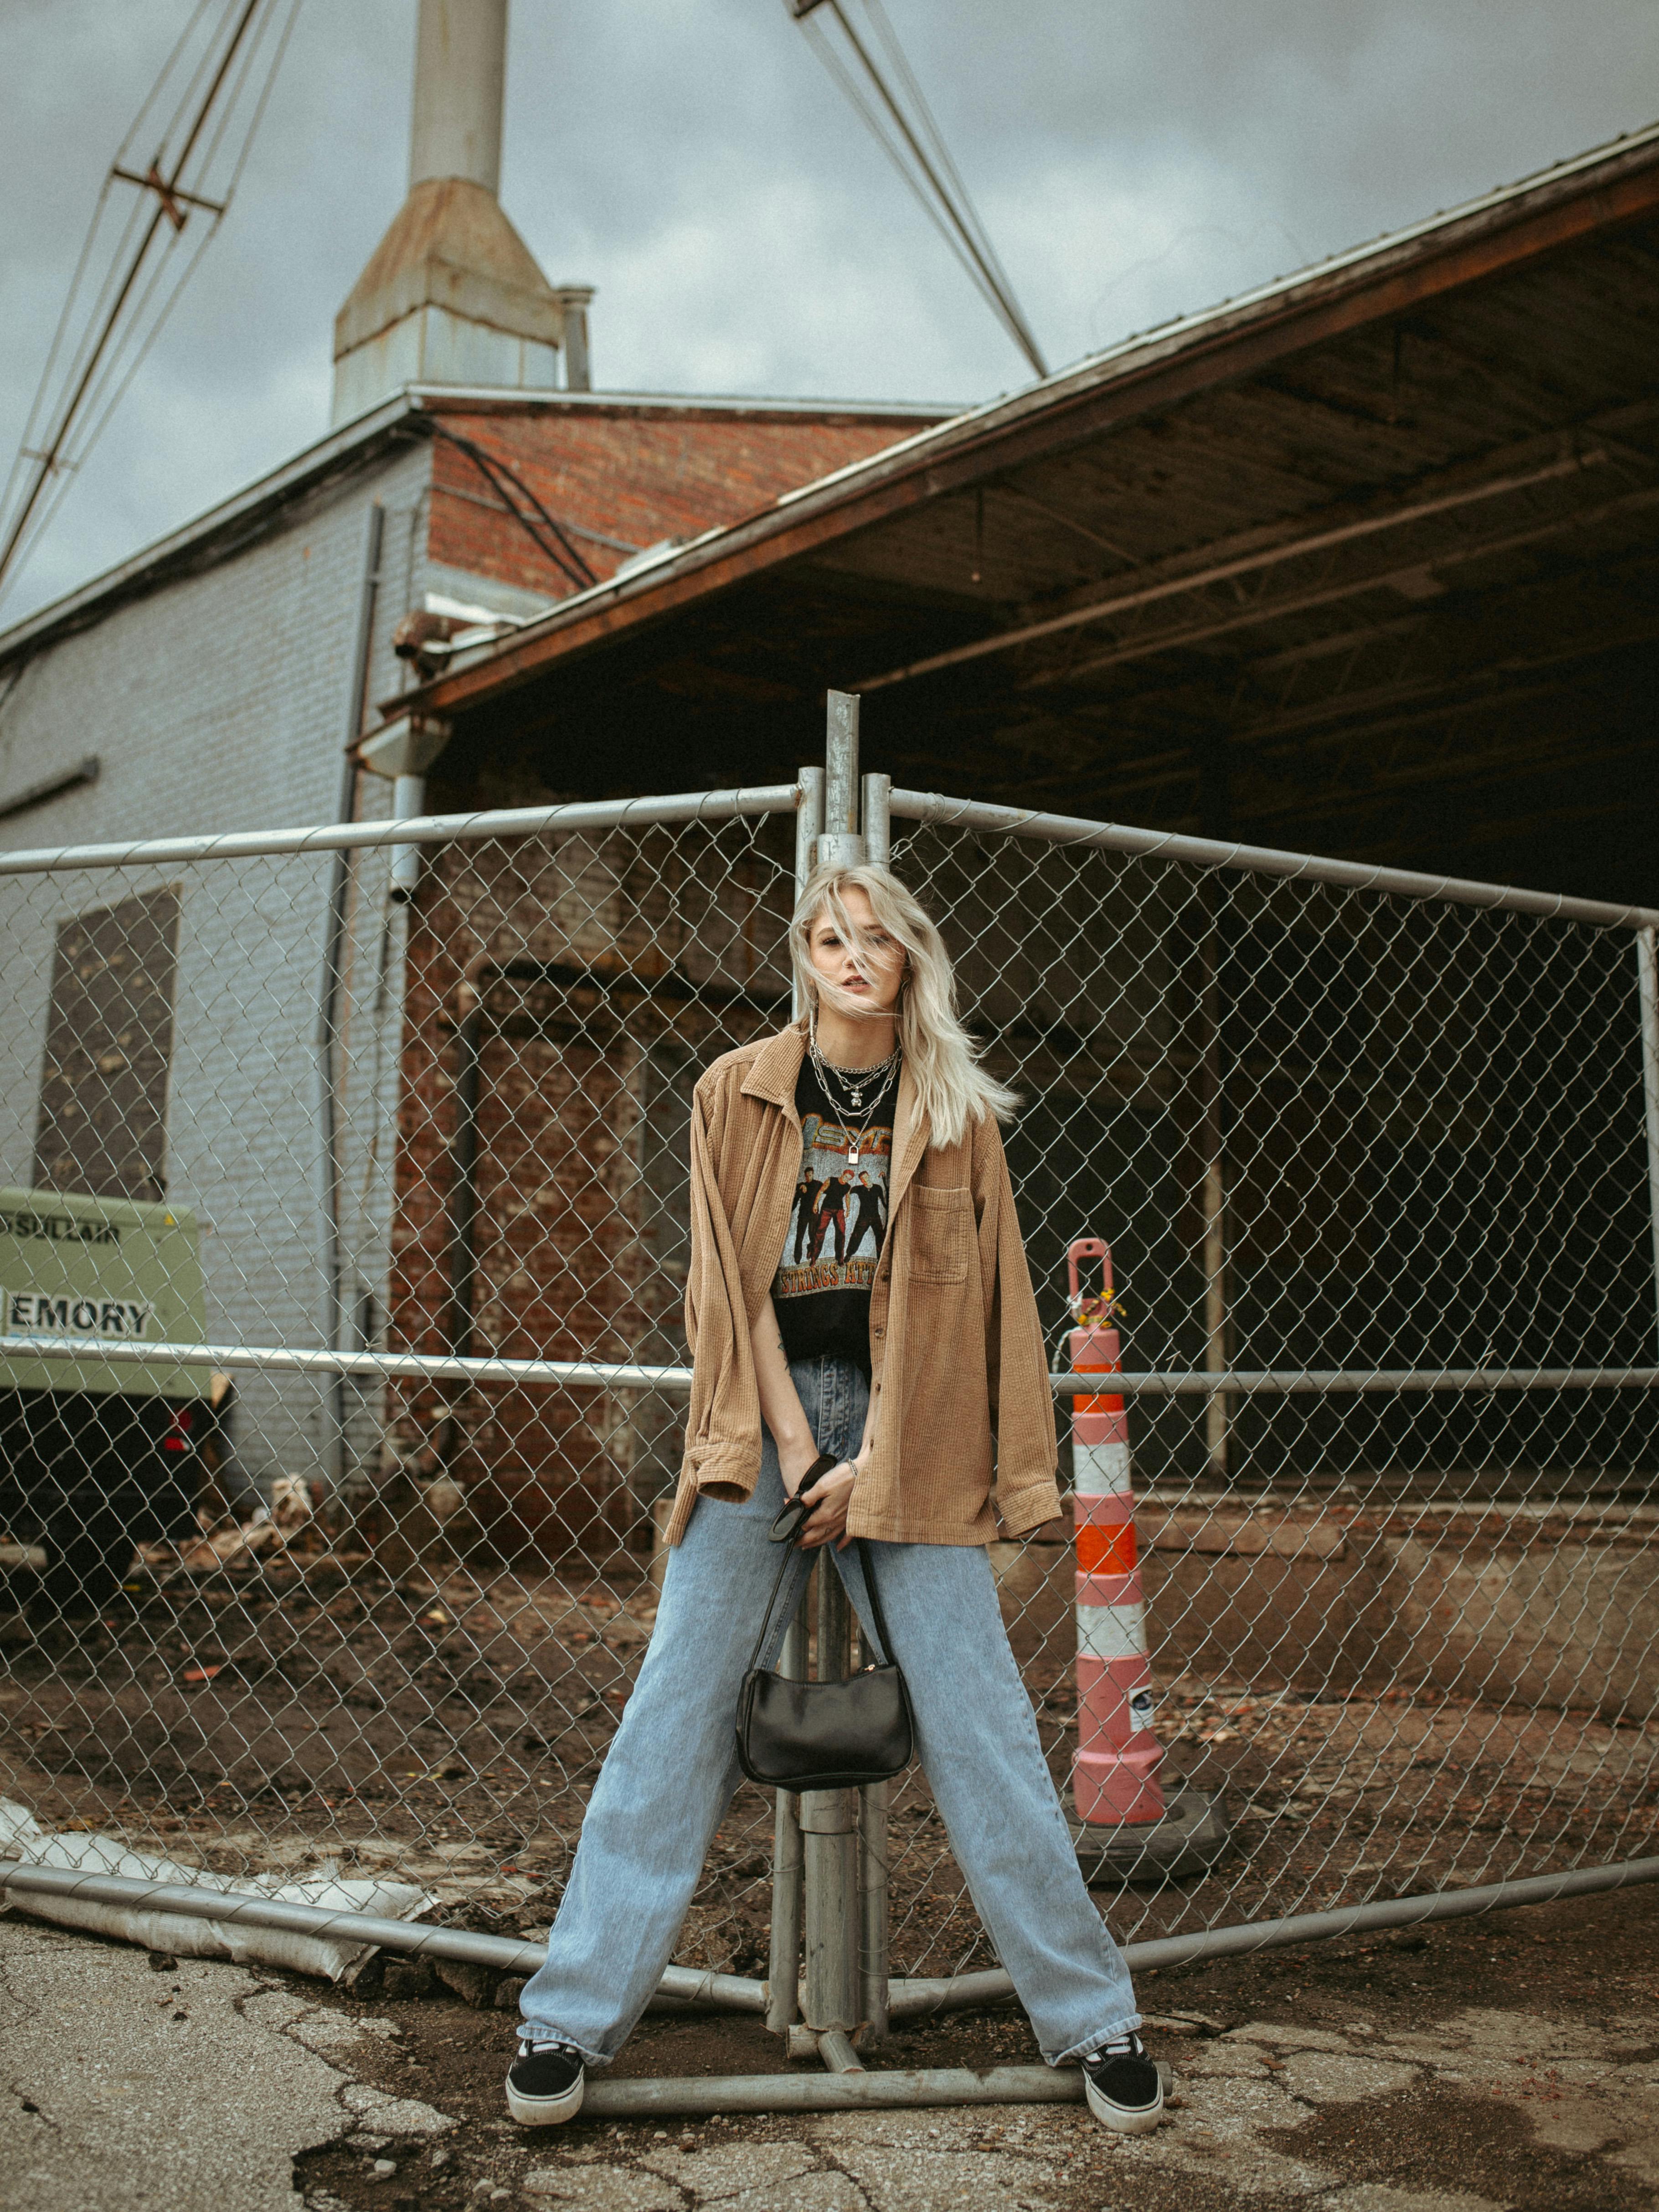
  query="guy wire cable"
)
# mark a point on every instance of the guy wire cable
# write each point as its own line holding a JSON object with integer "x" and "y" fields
{"x": 84, "y": 380}
{"x": 928, "y": 170}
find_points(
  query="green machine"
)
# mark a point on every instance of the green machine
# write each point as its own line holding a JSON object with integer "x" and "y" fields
{"x": 97, "y": 1456}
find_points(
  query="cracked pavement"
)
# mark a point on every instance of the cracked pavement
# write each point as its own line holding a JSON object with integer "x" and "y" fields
{"x": 121, "y": 2086}
{"x": 1503, "y": 2065}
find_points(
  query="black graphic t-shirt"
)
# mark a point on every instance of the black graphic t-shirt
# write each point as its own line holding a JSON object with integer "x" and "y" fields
{"x": 836, "y": 1227}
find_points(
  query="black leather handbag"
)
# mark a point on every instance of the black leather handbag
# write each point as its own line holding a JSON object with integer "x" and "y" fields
{"x": 821, "y": 1735}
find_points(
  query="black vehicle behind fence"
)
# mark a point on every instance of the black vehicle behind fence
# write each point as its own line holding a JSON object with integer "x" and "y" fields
{"x": 96, "y": 1455}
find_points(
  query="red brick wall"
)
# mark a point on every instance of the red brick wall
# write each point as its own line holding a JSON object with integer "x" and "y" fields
{"x": 570, "y": 1260}
{"x": 635, "y": 475}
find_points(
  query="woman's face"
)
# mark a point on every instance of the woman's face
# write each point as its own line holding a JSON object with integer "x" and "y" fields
{"x": 834, "y": 960}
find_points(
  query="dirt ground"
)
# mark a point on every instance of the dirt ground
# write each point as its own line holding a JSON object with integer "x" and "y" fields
{"x": 1508, "y": 2060}
{"x": 312, "y": 1711}
{"x": 315, "y": 1713}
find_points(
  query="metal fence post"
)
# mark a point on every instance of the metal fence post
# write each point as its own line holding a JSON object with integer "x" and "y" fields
{"x": 841, "y": 844}
{"x": 1217, "y": 1411}
{"x": 878, "y": 819}
{"x": 875, "y": 1915}
{"x": 842, "y": 1832}
{"x": 830, "y": 1834}
{"x": 783, "y": 1971}
{"x": 1647, "y": 969}
{"x": 789, "y": 1873}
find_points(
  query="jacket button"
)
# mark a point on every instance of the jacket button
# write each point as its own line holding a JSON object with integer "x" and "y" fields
{"x": 878, "y": 1330}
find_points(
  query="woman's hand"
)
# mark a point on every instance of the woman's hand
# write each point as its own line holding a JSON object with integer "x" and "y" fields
{"x": 830, "y": 1498}
{"x": 795, "y": 1458}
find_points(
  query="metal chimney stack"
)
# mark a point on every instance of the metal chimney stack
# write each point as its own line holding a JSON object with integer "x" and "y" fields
{"x": 461, "y": 82}
{"x": 453, "y": 295}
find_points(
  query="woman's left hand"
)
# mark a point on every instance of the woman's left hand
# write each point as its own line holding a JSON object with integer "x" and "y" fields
{"x": 830, "y": 1498}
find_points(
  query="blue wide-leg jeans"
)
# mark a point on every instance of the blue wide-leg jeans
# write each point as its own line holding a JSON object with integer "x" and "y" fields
{"x": 672, "y": 1768}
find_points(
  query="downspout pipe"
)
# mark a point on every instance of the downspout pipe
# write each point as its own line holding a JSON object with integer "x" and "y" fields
{"x": 328, "y": 1005}
{"x": 463, "y": 1159}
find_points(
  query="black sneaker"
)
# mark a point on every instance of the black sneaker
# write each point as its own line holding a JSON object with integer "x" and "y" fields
{"x": 1124, "y": 2089}
{"x": 545, "y": 2084}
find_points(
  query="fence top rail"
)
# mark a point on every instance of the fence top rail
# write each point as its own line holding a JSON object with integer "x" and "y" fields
{"x": 624, "y": 1374}
{"x": 1260, "y": 860}
{"x": 416, "y": 829}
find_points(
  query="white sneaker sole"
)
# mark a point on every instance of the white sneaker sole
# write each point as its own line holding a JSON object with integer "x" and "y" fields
{"x": 546, "y": 2111}
{"x": 1125, "y": 2119}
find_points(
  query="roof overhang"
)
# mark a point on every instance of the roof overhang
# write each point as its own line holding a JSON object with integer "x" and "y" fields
{"x": 1501, "y": 233}
{"x": 223, "y": 529}
{"x": 1367, "y": 560}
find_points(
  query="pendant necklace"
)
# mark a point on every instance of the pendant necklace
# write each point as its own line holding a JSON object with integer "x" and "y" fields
{"x": 881, "y": 1076}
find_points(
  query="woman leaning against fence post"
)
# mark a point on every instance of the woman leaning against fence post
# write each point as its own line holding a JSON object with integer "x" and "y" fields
{"x": 897, "y": 1334}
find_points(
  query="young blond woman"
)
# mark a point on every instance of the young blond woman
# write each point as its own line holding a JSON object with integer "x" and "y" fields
{"x": 897, "y": 1379}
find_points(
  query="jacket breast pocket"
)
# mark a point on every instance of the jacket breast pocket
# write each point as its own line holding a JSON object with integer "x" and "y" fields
{"x": 941, "y": 1233}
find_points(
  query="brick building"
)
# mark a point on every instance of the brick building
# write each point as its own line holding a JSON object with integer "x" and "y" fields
{"x": 220, "y": 679}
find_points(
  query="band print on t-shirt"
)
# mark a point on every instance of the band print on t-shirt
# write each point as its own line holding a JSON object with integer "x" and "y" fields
{"x": 840, "y": 1214}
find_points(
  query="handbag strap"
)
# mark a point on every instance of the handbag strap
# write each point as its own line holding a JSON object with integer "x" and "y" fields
{"x": 876, "y": 1614}
{"x": 789, "y": 1550}
{"x": 880, "y": 1618}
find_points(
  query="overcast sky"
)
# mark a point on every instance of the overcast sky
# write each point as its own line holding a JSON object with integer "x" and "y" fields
{"x": 1133, "y": 160}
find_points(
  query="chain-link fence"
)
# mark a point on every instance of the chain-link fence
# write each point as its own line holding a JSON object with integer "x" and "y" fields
{"x": 328, "y": 1591}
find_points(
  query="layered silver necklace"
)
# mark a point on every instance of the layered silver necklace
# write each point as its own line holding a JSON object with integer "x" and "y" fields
{"x": 854, "y": 1082}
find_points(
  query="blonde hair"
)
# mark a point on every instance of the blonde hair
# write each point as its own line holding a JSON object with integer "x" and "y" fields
{"x": 951, "y": 1087}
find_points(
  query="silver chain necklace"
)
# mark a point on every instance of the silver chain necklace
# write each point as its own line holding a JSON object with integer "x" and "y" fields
{"x": 857, "y": 1080}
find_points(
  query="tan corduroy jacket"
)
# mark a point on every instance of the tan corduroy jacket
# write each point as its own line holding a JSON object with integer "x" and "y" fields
{"x": 956, "y": 1350}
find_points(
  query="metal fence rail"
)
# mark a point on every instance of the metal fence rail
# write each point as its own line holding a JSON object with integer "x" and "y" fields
{"x": 1376, "y": 1156}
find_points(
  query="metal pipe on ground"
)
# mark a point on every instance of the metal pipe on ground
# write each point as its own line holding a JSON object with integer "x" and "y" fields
{"x": 685, "y": 1985}
{"x": 834, "y": 2093}
{"x": 680, "y": 1985}
{"x": 961, "y": 1992}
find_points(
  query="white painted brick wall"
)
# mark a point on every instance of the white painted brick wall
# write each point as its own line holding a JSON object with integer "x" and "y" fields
{"x": 221, "y": 702}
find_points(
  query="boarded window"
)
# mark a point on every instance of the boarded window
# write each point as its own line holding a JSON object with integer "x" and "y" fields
{"x": 109, "y": 1040}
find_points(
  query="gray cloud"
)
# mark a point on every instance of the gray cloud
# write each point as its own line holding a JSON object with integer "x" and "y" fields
{"x": 1135, "y": 158}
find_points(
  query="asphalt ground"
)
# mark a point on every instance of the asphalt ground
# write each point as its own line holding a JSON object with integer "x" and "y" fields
{"x": 1509, "y": 2061}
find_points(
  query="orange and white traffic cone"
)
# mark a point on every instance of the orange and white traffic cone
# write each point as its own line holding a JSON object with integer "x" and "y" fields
{"x": 1117, "y": 1755}
{"x": 1128, "y": 1827}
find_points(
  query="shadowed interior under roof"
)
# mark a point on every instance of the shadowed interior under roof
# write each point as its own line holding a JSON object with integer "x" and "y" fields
{"x": 1365, "y": 564}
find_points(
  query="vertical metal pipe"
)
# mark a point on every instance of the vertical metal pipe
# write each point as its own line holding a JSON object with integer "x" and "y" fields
{"x": 809, "y": 828}
{"x": 809, "y": 824}
{"x": 840, "y": 797}
{"x": 1647, "y": 969}
{"x": 1217, "y": 1417}
{"x": 461, "y": 82}
{"x": 878, "y": 818}
{"x": 841, "y": 844}
{"x": 463, "y": 1174}
{"x": 575, "y": 300}
{"x": 788, "y": 1861}
{"x": 875, "y": 1918}
{"x": 408, "y": 800}
{"x": 788, "y": 1871}
{"x": 829, "y": 1825}
{"x": 874, "y": 1911}
{"x": 328, "y": 1008}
